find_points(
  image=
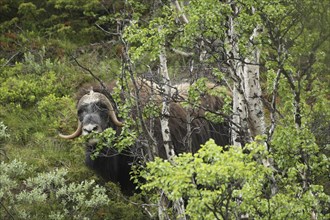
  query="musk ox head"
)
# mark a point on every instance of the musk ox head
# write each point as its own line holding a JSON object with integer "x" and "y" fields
{"x": 95, "y": 114}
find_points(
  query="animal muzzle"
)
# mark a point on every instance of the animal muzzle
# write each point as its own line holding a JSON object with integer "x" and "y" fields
{"x": 89, "y": 128}
{"x": 92, "y": 98}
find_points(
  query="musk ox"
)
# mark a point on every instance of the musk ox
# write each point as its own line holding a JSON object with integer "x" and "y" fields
{"x": 188, "y": 129}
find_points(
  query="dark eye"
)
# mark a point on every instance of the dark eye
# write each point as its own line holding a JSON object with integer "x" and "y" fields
{"x": 81, "y": 110}
{"x": 102, "y": 107}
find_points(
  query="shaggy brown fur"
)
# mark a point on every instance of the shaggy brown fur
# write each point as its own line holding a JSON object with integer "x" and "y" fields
{"x": 116, "y": 167}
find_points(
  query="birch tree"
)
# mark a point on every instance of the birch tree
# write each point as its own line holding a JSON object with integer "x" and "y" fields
{"x": 244, "y": 70}
{"x": 253, "y": 48}
{"x": 165, "y": 128}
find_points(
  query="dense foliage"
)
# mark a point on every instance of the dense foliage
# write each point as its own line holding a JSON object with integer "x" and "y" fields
{"x": 46, "y": 47}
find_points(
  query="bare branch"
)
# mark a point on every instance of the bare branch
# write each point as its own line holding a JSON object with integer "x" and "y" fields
{"x": 179, "y": 9}
{"x": 105, "y": 31}
{"x": 4, "y": 207}
{"x": 99, "y": 80}
{"x": 180, "y": 52}
{"x": 273, "y": 105}
{"x": 12, "y": 57}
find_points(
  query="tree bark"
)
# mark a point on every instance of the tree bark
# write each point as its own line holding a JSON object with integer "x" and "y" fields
{"x": 248, "y": 109}
{"x": 164, "y": 122}
{"x": 247, "y": 103}
{"x": 178, "y": 206}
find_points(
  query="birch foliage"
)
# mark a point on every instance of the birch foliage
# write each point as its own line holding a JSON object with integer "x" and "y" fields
{"x": 273, "y": 58}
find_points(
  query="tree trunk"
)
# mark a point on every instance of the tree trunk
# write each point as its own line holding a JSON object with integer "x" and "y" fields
{"x": 164, "y": 122}
{"x": 247, "y": 103}
{"x": 248, "y": 110}
{"x": 178, "y": 206}
{"x": 256, "y": 121}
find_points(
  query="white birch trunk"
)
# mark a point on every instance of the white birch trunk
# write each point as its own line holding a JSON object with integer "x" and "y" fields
{"x": 164, "y": 122}
{"x": 240, "y": 134}
{"x": 253, "y": 90}
{"x": 239, "y": 129}
{"x": 247, "y": 103}
{"x": 178, "y": 206}
{"x": 248, "y": 112}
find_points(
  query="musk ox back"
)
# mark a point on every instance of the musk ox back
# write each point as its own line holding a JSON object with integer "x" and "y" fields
{"x": 188, "y": 129}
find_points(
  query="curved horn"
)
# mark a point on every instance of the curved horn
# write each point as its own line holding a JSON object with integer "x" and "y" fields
{"x": 112, "y": 114}
{"x": 96, "y": 96}
{"x": 74, "y": 134}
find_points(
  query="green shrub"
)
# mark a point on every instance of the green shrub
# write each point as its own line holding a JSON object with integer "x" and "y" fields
{"x": 50, "y": 195}
{"x": 47, "y": 195}
{"x": 3, "y": 133}
{"x": 3, "y": 136}
{"x": 219, "y": 184}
